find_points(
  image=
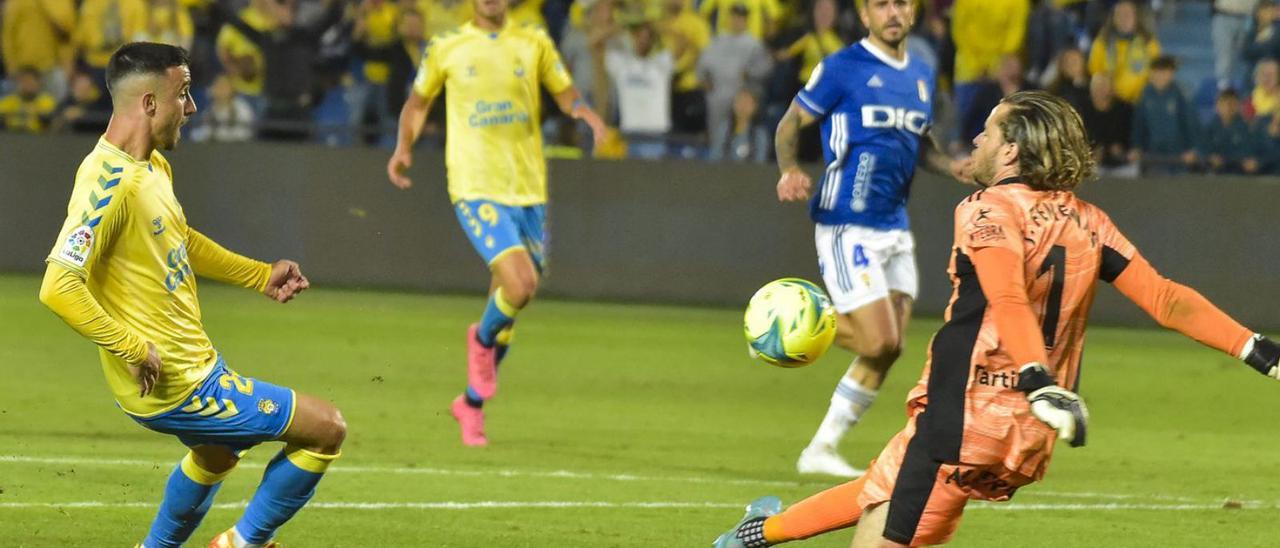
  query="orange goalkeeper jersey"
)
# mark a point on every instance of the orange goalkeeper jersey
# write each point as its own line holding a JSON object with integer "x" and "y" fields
{"x": 1024, "y": 268}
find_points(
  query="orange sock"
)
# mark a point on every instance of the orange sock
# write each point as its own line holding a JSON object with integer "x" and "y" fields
{"x": 835, "y": 508}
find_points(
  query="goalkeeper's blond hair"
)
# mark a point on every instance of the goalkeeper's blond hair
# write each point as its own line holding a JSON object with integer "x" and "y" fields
{"x": 1053, "y": 149}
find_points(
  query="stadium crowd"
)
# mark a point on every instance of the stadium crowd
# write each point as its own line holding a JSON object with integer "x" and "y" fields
{"x": 676, "y": 78}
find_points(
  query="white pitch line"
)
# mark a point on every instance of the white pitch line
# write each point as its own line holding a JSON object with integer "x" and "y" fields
{"x": 505, "y": 473}
{"x": 568, "y": 474}
{"x": 494, "y": 504}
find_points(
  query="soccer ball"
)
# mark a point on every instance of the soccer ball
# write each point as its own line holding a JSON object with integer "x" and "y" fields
{"x": 789, "y": 323}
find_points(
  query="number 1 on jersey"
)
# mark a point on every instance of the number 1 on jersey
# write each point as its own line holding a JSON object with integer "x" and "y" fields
{"x": 1057, "y": 261}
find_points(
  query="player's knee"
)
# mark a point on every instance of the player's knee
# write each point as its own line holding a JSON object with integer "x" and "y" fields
{"x": 521, "y": 290}
{"x": 879, "y": 349}
{"x": 333, "y": 431}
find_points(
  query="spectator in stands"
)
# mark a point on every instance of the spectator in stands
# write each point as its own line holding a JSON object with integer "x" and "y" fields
{"x": 168, "y": 22}
{"x": 1007, "y": 79}
{"x": 102, "y": 27}
{"x": 1109, "y": 123}
{"x": 375, "y": 35}
{"x": 590, "y": 30}
{"x": 1164, "y": 124}
{"x": 820, "y": 41}
{"x": 1264, "y": 38}
{"x": 29, "y": 108}
{"x": 227, "y": 118}
{"x": 1264, "y": 100}
{"x": 1050, "y": 30}
{"x": 984, "y": 31}
{"x": 289, "y": 51}
{"x": 1228, "y": 30}
{"x": 733, "y": 61}
{"x": 404, "y": 57}
{"x": 34, "y": 34}
{"x": 1071, "y": 81}
{"x": 762, "y": 16}
{"x": 240, "y": 57}
{"x": 1124, "y": 49}
{"x": 750, "y": 140}
{"x": 685, "y": 35}
{"x": 1227, "y": 143}
{"x": 642, "y": 77}
{"x": 1266, "y": 144}
{"x": 86, "y": 110}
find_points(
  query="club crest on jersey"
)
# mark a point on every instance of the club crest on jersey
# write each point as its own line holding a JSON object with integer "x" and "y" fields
{"x": 267, "y": 407}
{"x": 77, "y": 247}
{"x": 924, "y": 91}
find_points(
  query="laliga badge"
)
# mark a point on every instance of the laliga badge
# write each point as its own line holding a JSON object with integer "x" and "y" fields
{"x": 76, "y": 249}
{"x": 924, "y": 91}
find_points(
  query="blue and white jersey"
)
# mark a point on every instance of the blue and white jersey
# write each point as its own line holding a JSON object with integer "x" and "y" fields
{"x": 873, "y": 110}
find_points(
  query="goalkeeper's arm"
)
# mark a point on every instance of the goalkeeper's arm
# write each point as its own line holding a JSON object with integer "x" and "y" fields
{"x": 1186, "y": 311}
{"x": 1000, "y": 275}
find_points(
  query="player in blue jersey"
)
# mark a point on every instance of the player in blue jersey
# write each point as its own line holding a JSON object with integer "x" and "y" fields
{"x": 874, "y": 104}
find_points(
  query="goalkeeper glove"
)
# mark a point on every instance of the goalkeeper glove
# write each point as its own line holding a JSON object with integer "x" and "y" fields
{"x": 1054, "y": 405}
{"x": 1263, "y": 354}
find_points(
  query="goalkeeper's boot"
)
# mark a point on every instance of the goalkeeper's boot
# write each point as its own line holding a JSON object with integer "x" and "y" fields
{"x": 227, "y": 540}
{"x": 482, "y": 365}
{"x": 823, "y": 459}
{"x": 749, "y": 533}
{"x": 471, "y": 420}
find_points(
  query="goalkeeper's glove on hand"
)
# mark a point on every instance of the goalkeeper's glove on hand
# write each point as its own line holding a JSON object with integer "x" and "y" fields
{"x": 1262, "y": 354}
{"x": 1054, "y": 405}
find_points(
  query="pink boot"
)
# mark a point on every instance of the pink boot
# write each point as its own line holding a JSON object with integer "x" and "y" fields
{"x": 482, "y": 366}
{"x": 472, "y": 422}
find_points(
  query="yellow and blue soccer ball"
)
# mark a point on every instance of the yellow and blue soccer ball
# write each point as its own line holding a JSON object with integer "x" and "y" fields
{"x": 789, "y": 323}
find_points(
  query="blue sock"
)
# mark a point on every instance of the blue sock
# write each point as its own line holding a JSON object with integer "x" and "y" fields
{"x": 503, "y": 341}
{"x": 472, "y": 398}
{"x": 187, "y": 498}
{"x": 498, "y": 314}
{"x": 288, "y": 483}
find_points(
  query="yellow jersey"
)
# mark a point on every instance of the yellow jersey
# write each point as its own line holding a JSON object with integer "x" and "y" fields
{"x": 127, "y": 238}
{"x": 105, "y": 25}
{"x": 26, "y": 115}
{"x": 231, "y": 42}
{"x": 813, "y": 48}
{"x": 492, "y": 79}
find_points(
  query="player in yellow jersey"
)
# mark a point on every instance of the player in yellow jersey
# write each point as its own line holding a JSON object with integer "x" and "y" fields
{"x": 123, "y": 274}
{"x": 492, "y": 71}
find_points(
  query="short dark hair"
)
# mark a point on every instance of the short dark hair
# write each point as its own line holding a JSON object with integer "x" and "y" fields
{"x": 1164, "y": 62}
{"x": 143, "y": 58}
{"x": 1228, "y": 94}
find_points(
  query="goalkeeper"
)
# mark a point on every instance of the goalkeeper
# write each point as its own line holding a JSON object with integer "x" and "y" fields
{"x": 1000, "y": 382}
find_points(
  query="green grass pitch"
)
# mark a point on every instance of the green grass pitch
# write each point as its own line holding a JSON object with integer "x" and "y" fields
{"x": 614, "y": 426}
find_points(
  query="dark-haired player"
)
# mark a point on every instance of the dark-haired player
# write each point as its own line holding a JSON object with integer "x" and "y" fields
{"x": 123, "y": 274}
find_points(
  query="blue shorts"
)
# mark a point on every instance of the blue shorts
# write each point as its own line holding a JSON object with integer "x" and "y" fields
{"x": 228, "y": 410}
{"x": 496, "y": 229}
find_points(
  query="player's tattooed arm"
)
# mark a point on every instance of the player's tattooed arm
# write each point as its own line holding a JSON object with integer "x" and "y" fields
{"x": 786, "y": 139}
{"x": 794, "y": 183}
{"x": 933, "y": 159}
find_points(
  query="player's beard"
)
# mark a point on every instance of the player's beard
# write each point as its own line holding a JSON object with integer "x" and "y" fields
{"x": 901, "y": 29}
{"x": 984, "y": 169}
{"x": 169, "y": 139}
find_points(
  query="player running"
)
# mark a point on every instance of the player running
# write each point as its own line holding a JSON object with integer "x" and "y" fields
{"x": 875, "y": 104}
{"x": 492, "y": 70}
{"x": 123, "y": 274}
{"x": 1003, "y": 369}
